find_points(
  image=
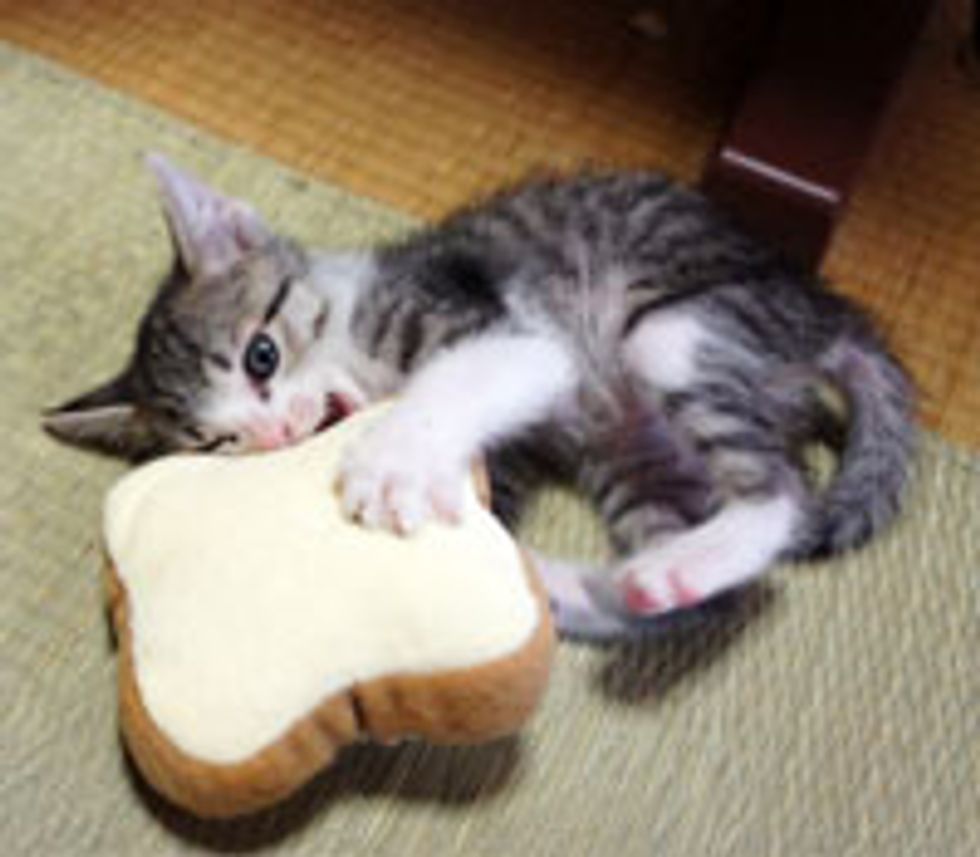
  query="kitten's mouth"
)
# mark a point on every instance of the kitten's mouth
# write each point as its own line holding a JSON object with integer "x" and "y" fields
{"x": 339, "y": 406}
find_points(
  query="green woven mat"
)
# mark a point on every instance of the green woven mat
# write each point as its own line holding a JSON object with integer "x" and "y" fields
{"x": 832, "y": 712}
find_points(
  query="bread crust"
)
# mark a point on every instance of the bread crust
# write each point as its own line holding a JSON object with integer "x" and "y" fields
{"x": 458, "y": 706}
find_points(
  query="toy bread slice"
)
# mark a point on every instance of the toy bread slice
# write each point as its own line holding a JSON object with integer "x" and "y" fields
{"x": 260, "y": 631}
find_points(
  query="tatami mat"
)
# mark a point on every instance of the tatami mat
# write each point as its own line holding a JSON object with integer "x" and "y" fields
{"x": 422, "y": 103}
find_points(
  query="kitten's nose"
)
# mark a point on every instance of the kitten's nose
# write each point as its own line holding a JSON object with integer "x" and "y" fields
{"x": 273, "y": 435}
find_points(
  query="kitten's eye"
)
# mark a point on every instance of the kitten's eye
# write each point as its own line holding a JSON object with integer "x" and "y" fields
{"x": 261, "y": 357}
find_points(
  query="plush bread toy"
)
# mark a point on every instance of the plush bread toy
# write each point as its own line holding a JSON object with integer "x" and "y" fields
{"x": 260, "y": 631}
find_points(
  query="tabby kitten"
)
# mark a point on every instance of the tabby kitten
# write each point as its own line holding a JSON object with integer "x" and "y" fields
{"x": 612, "y": 329}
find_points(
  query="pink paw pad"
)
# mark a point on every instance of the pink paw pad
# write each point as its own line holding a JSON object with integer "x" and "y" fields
{"x": 638, "y": 599}
{"x": 641, "y": 600}
{"x": 685, "y": 595}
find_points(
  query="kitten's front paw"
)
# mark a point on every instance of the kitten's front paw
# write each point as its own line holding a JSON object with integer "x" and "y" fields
{"x": 396, "y": 479}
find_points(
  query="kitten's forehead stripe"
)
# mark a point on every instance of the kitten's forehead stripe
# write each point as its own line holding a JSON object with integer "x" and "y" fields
{"x": 278, "y": 299}
{"x": 222, "y": 361}
{"x": 383, "y": 320}
{"x": 173, "y": 338}
{"x": 320, "y": 322}
{"x": 412, "y": 337}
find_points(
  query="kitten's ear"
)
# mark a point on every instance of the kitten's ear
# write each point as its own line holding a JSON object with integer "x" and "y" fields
{"x": 210, "y": 231}
{"x": 105, "y": 420}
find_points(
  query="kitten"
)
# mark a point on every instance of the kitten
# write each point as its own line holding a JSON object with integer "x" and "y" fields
{"x": 612, "y": 329}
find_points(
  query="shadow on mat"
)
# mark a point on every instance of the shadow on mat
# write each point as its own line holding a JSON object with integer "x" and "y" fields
{"x": 647, "y": 669}
{"x": 448, "y": 776}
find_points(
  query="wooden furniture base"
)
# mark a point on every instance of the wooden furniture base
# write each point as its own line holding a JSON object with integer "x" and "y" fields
{"x": 807, "y": 116}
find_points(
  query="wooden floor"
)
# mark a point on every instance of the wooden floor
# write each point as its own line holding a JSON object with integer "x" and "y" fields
{"x": 423, "y": 103}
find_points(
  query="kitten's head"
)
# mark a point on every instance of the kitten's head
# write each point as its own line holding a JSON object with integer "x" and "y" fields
{"x": 238, "y": 350}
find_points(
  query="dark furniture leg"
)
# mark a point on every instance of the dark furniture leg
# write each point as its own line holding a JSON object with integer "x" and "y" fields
{"x": 805, "y": 120}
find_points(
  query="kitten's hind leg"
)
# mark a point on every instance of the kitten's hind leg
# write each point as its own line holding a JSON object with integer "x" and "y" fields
{"x": 648, "y": 485}
{"x": 739, "y": 543}
{"x": 733, "y": 433}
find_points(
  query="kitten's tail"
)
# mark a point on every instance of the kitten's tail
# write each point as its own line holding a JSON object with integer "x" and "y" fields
{"x": 865, "y": 493}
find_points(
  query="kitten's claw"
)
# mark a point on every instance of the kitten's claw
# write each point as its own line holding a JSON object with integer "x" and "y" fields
{"x": 446, "y": 499}
{"x": 389, "y": 482}
{"x": 402, "y": 506}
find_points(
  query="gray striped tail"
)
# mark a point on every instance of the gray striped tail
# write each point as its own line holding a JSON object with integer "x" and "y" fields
{"x": 866, "y": 492}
